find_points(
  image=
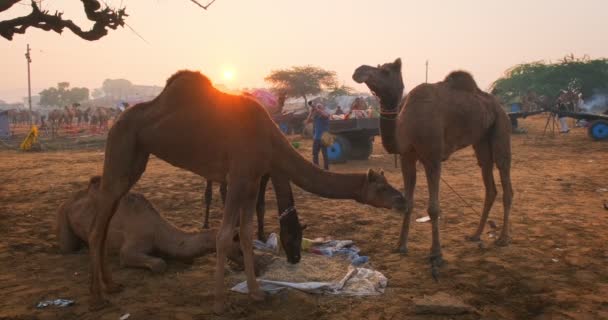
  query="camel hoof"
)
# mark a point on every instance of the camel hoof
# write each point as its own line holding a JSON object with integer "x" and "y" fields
{"x": 503, "y": 241}
{"x": 113, "y": 288}
{"x": 258, "y": 296}
{"x": 473, "y": 238}
{"x": 98, "y": 304}
{"x": 401, "y": 250}
{"x": 436, "y": 263}
{"x": 158, "y": 267}
{"x": 218, "y": 308}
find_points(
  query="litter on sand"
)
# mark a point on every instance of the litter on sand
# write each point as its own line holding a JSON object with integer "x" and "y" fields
{"x": 424, "y": 219}
{"x": 57, "y": 302}
{"x": 356, "y": 282}
{"x": 124, "y": 316}
{"x": 327, "y": 266}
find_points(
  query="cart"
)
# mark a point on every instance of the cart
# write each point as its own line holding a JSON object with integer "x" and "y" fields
{"x": 354, "y": 139}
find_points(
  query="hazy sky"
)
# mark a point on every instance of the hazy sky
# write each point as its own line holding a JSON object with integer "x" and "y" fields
{"x": 253, "y": 37}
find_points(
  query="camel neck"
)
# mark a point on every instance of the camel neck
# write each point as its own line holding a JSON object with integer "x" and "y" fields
{"x": 388, "y": 124}
{"x": 313, "y": 179}
{"x": 177, "y": 243}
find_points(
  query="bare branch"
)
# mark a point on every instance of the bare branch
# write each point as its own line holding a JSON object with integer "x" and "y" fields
{"x": 202, "y": 6}
{"x": 102, "y": 18}
{"x": 7, "y": 4}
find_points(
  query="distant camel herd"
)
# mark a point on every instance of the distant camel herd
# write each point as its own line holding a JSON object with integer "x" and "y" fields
{"x": 65, "y": 117}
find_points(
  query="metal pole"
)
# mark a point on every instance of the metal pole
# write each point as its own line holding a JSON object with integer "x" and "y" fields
{"x": 29, "y": 84}
{"x": 426, "y": 76}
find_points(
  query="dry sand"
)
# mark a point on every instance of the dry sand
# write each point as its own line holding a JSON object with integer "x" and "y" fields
{"x": 556, "y": 267}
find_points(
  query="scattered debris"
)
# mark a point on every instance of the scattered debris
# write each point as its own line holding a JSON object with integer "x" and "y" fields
{"x": 602, "y": 190}
{"x": 605, "y": 204}
{"x": 492, "y": 224}
{"x": 554, "y": 260}
{"x": 57, "y": 302}
{"x": 124, "y": 316}
{"x": 441, "y": 303}
{"x": 424, "y": 219}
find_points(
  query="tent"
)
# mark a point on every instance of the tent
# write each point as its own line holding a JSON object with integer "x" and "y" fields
{"x": 5, "y": 131}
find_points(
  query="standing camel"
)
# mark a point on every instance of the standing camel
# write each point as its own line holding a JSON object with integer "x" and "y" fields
{"x": 221, "y": 137}
{"x": 434, "y": 121}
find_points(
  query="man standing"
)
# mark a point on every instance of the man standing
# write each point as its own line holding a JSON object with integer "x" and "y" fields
{"x": 320, "y": 125}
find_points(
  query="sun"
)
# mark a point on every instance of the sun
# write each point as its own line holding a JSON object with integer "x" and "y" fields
{"x": 228, "y": 75}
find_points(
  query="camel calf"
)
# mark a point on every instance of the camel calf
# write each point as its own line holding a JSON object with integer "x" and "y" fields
{"x": 136, "y": 232}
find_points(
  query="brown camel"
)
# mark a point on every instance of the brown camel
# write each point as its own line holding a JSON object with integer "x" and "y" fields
{"x": 260, "y": 207}
{"x": 138, "y": 232}
{"x": 221, "y": 137}
{"x": 434, "y": 121}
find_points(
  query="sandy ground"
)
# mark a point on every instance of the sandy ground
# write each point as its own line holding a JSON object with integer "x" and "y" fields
{"x": 554, "y": 269}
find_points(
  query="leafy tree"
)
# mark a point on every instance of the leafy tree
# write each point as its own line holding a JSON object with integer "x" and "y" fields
{"x": 116, "y": 88}
{"x": 589, "y": 76}
{"x": 342, "y": 90}
{"x": 301, "y": 81}
{"x": 63, "y": 95}
{"x": 97, "y": 93}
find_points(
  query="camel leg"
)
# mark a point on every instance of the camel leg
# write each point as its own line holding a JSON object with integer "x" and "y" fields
{"x": 239, "y": 206}
{"x": 408, "y": 170}
{"x": 132, "y": 256}
{"x": 207, "y": 199}
{"x": 433, "y": 174}
{"x": 68, "y": 241}
{"x": 123, "y": 166}
{"x": 483, "y": 152}
{"x": 223, "y": 191}
{"x": 260, "y": 207}
{"x": 507, "y": 198}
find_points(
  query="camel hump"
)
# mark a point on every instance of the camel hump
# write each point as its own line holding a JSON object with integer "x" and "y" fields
{"x": 190, "y": 75}
{"x": 461, "y": 80}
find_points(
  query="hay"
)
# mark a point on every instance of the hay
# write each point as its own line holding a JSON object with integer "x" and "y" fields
{"x": 312, "y": 268}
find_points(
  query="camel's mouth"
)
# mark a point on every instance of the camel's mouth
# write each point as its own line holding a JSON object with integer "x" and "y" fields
{"x": 362, "y": 74}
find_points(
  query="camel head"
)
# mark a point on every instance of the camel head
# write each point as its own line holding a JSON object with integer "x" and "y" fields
{"x": 379, "y": 193}
{"x": 291, "y": 234}
{"x": 385, "y": 81}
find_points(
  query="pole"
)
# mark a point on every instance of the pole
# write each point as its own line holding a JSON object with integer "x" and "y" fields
{"x": 29, "y": 84}
{"x": 426, "y": 76}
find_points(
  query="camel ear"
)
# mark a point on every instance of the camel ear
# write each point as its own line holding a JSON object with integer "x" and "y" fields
{"x": 397, "y": 64}
{"x": 372, "y": 175}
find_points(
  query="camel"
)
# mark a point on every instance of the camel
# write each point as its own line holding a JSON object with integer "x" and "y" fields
{"x": 138, "y": 232}
{"x": 221, "y": 137}
{"x": 434, "y": 121}
{"x": 260, "y": 207}
{"x": 55, "y": 118}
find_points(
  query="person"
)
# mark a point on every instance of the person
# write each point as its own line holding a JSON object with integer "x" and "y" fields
{"x": 561, "y": 108}
{"x": 320, "y": 124}
{"x": 339, "y": 111}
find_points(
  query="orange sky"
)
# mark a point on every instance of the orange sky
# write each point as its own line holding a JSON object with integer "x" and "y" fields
{"x": 252, "y": 37}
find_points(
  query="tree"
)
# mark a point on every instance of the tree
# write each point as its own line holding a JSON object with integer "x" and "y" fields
{"x": 102, "y": 18}
{"x": 62, "y": 95}
{"x": 590, "y": 76}
{"x": 302, "y": 81}
{"x": 116, "y": 88}
{"x": 342, "y": 90}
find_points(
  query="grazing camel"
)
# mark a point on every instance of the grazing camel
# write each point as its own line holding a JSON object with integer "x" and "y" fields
{"x": 138, "y": 232}
{"x": 221, "y": 137}
{"x": 434, "y": 121}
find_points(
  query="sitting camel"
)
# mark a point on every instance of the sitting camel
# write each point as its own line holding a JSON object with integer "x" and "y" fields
{"x": 138, "y": 232}
{"x": 434, "y": 121}
{"x": 224, "y": 138}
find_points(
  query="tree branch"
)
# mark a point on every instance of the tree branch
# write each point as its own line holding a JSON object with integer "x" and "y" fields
{"x": 202, "y": 6}
{"x": 104, "y": 18}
